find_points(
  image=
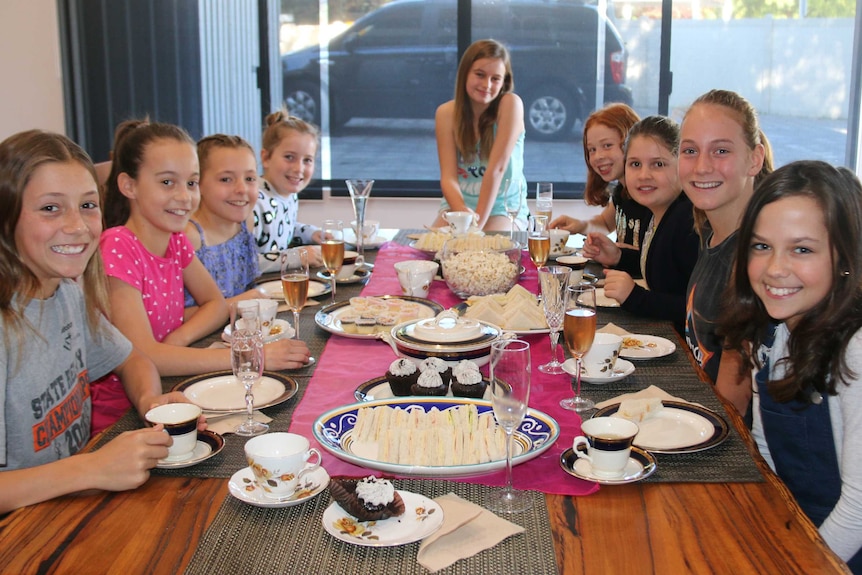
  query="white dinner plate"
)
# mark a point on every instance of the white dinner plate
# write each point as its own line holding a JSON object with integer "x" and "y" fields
{"x": 422, "y": 517}
{"x": 334, "y": 431}
{"x": 641, "y": 465}
{"x": 328, "y": 318}
{"x": 280, "y": 329}
{"x": 243, "y": 487}
{"x": 637, "y": 346}
{"x": 220, "y": 391}
{"x": 209, "y": 444}
{"x": 273, "y": 289}
{"x": 678, "y": 428}
{"x": 622, "y": 369}
{"x": 604, "y": 301}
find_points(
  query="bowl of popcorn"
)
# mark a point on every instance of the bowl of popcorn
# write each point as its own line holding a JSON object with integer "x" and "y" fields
{"x": 476, "y": 266}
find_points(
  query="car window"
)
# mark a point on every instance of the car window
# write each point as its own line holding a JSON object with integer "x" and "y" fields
{"x": 398, "y": 26}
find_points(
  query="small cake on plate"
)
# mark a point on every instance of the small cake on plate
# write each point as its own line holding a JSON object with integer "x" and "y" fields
{"x": 401, "y": 375}
{"x": 430, "y": 383}
{"x": 467, "y": 380}
{"x": 438, "y": 365}
{"x": 369, "y": 499}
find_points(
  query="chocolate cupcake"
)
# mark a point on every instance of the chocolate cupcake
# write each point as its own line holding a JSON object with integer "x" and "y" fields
{"x": 369, "y": 499}
{"x": 430, "y": 383}
{"x": 438, "y": 365}
{"x": 467, "y": 380}
{"x": 401, "y": 375}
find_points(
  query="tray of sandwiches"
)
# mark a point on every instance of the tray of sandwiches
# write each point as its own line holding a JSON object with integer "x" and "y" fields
{"x": 430, "y": 436}
{"x": 517, "y": 311}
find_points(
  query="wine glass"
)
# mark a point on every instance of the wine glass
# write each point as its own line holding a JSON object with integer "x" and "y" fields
{"x": 554, "y": 280}
{"x": 294, "y": 282}
{"x": 332, "y": 249}
{"x": 513, "y": 204}
{"x": 579, "y": 329}
{"x": 359, "y": 191}
{"x": 510, "y": 394}
{"x": 246, "y": 358}
{"x": 539, "y": 240}
{"x": 544, "y": 199}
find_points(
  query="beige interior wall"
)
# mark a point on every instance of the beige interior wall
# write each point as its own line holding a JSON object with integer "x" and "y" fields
{"x": 31, "y": 95}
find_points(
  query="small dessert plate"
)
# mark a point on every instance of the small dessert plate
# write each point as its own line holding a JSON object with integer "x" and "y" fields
{"x": 637, "y": 346}
{"x": 641, "y": 465}
{"x": 359, "y": 275}
{"x": 243, "y": 487}
{"x": 622, "y": 369}
{"x": 280, "y": 329}
{"x": 421, "y": 518}
{"x": 209, "y": 444}
{"x": 604, "y": 301}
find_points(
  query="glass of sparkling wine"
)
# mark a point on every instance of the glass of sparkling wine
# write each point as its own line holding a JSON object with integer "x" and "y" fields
{"x": 510, "y": 395}
{"x": 539, "y": 240}
{"x": 579, "y": 329}
{"x": 332, "y": 249}
{"x": 294, "y": 282}
{"x": 246, "y": 358}
{"x": 544, "y": 199}
{"x": 513, "y": 204}
{"x": 553, "y": 281}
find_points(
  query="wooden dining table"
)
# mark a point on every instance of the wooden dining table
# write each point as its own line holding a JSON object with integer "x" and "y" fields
{"x": 640, "y": 527}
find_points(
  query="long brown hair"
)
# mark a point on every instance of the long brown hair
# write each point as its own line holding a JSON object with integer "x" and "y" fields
{"x": 818, "y": 344}
{"x": 465, "y": 135}
{"x": 746, "y": 116}
{"x": 20, "y": 156}
{"x": 617, "y": 117}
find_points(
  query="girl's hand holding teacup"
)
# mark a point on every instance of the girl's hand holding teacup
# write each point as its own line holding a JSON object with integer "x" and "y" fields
{"x": 125, "y": 462}
{"x": 618, "y": 285}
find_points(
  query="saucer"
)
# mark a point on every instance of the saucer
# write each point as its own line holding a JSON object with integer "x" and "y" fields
{"x": 641, "y": 465}
{"x": 281, "y": 327}
{"x": 566, "y": 251}
{"x": 209, "y": 443}
{"x": 359, "y": 275}
{"x": 622, "y": 369}
{"x": 243, "y": 487}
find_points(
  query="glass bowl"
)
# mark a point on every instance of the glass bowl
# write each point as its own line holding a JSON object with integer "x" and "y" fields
{"x": 477, "y": 268}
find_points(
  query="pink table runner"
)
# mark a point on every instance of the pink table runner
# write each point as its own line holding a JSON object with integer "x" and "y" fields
{"x": 346, "y": 363}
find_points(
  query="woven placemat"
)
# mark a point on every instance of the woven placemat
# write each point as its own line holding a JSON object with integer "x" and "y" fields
{"x": 247, "y": 539}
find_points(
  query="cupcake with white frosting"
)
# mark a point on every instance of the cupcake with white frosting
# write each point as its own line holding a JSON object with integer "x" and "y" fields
{"x": 368, "y": 499}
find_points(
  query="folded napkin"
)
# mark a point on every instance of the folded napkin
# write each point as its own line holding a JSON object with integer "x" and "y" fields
{"x": 612, "y": 328}
{"x": 467, "y": 529}
{"x": 223, "y": 424}
{"x": 651, "y": 391}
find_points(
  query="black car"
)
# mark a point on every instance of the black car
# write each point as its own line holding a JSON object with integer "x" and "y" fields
{"x": 400, "y": 61}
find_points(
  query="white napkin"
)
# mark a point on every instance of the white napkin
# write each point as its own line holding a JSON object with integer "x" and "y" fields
{"x": 651, "y": 391}
{"x": 467, "y": 529}
{"x": 223, "y": 424}
{"x": 614, "y": 329}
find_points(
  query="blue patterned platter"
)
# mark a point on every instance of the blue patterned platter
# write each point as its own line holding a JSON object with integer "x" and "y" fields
{"x": 334, "y": 430}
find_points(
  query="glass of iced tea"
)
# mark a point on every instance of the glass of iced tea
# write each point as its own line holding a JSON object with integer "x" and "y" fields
{"x": 332, "y": 249}
{"x": 294, "y": 282}
{"x": 579, "y": 330}
{"x": 539, "y": 240}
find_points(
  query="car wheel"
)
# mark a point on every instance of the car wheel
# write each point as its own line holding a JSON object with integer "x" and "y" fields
{"x": 549, "y": 114}
{"x": 303, "y": 101}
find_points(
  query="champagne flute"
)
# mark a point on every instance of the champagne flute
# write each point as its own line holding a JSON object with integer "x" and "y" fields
{"x": 359, "y": 190}
{"x": 332, "y": 250}
{"x": 579, "y": 329}
{"x": 544, "y": 199}
{"x": 539, "y": 240}
{"x": 246, "y": 358}
{"x": 554, "y": 280}
{"x": 294, "y": 282}
{"x": 510, "y": 394}
{"x": 513, "y": 204}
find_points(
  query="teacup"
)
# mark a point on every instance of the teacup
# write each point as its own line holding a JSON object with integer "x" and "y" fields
{"x": 181, "y": 423}
{"x": 460, "y": 222}
{"x": 558, "y": 240}
{"x": 268, "y": 311}
{"x": 352, "y": 260}
{"x": 278, "y": 461}
{"x": 608, "y": 443}
{"x": 415, "y": 276}
{"x": 369, "y": 229}
{"x": 600, "y": 360}
{"x": 577, "y": 263}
